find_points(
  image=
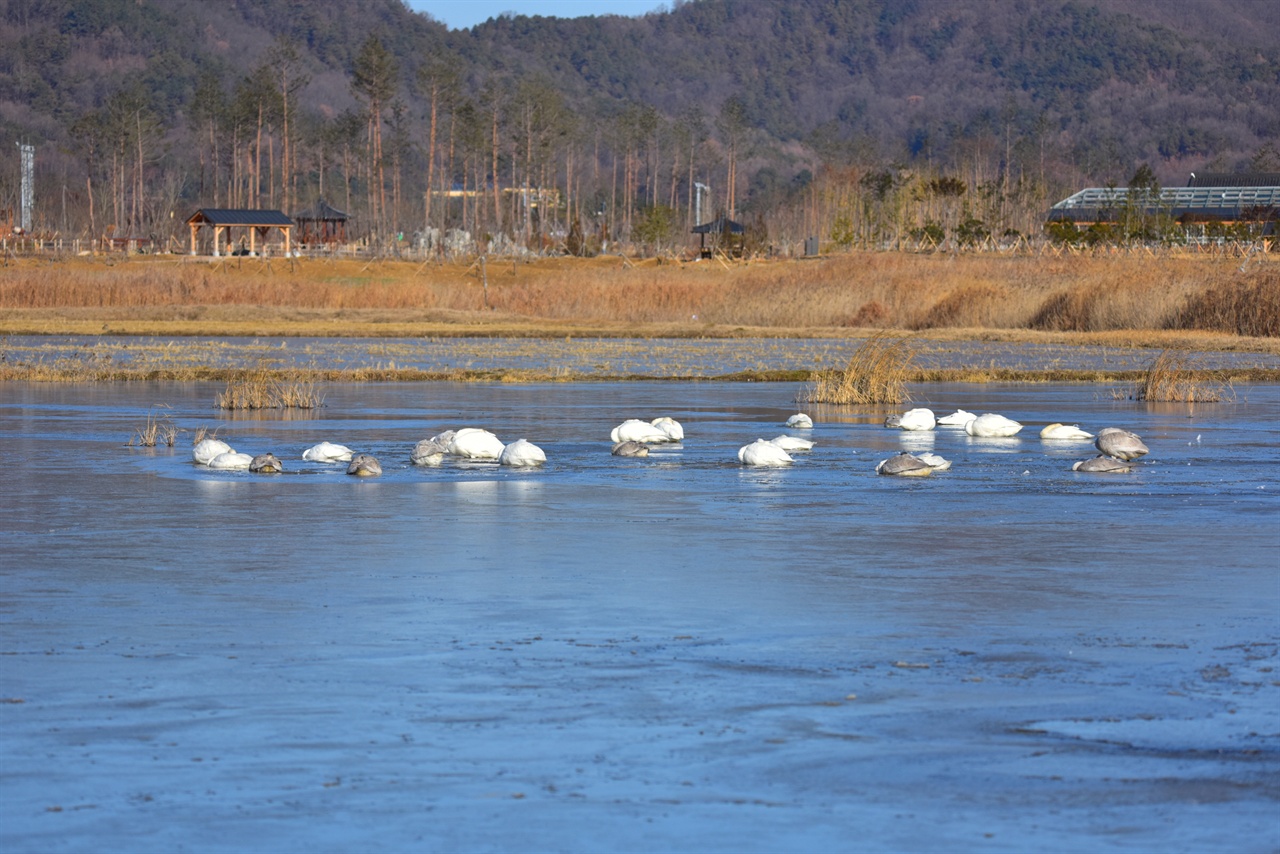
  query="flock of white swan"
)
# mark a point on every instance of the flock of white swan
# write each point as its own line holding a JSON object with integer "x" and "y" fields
{"x": 632, "y": 438}
{"x": 1118, "y": 448}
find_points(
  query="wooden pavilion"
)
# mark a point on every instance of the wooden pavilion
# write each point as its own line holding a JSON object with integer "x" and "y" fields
{"x": 258, "y": 222}
{"x": 321, "y": 224}
{"x": 720, "y": 226}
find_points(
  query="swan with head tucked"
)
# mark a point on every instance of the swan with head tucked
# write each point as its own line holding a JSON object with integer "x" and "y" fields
{"x": 630, "y": 449}
{"x": 762, "y": 453}
{"x": 327, "y": 452}
{"x": 800, "y": 421}
{"x": 959, "y": 418}
{"x": 1064, "y": 431}
{"x": 635, "y": 430}
{"x": 1102, "y": 463}
{"x": 1120, "y": 444}
{"x": 206, "y": 449}
{"x": 904, "y": 465}
{"x": 521, "y": 454}
{"x": 917, "y": 419}
{"x": 472, "y": 443}
{"x": 364, "y": 465}
{"x": 266, "y": 464}
{"x": 933, "y": 461}
{"x": 792, "y": 443}
{"x": 992, "y": 426}
{"x": 231, "y": 460}
{"x": 673, "y": 428}
{"x": 428, "y": 452}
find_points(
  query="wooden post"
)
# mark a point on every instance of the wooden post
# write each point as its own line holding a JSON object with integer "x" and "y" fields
{"x": 285, "y": 229}
{"x": 194, "y": 229}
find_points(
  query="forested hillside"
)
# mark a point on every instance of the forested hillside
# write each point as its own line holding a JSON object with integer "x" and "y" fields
{"x": 851, "y": 119}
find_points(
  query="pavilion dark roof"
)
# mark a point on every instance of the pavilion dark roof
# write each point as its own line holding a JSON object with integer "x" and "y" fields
{"x": 239, "y": 216}
{"x": 321, "y": 210}
{"x": 720, "y": 225}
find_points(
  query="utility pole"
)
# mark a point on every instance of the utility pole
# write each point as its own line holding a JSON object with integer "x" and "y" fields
{"x": 697, "y": 205}
{"x": 28, "y": 158}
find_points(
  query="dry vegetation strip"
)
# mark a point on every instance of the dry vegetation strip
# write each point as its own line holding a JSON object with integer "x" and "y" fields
{"x": 867, "y": 291}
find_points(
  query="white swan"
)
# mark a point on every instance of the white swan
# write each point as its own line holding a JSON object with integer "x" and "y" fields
{"x": 792, "y": 443}
{"x": 206, "y": 449}
{"x": 522, "y": 453}
{"x": 762, "y": 453}
{"x": 327, "y": 452}
{"x": 904, "y": 465}
{"x": 1120, "y": 444}
{"x": 959, "y": 418}
{"x": 475, "y": 444}
{"x": 266, "y": 464}
{"x": 800, "y": 421}
{"x": 364, "y": 465}
{"x": 1102, "y": 463}
{"x": 917, "y": 419}
{"x": 428, "y": 452}
{"x": 635, "y": 430}
{"x": 231, "y": 460}
{"x": 630, "y": 449}
{"x": 991, "y": 426}
{"x": 1064, "y": 431}
{"x": 673, "y": 428}
{"x": 933, "y": 461}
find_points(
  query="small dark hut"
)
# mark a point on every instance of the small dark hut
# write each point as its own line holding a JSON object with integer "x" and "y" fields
{"x": 719, "y": 226}
{"x": 321, "y": 224}
{"x": 258, "y": 222}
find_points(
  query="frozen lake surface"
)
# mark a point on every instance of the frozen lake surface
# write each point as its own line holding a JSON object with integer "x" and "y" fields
{"x": 672, "y": 653}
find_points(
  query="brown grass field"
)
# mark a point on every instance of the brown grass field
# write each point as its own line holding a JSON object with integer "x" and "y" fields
{"x": 1134, "y": 300}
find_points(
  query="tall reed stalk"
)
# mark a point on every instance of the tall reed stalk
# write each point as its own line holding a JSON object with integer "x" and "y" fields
{"x": 158, "y": 429}
{"x": 876, "y": 373}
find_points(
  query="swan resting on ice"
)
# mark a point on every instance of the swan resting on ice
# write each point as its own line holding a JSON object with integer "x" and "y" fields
{"x": 1120, "y": 444}
{"x": 904, "y": 465}
{"x": 521, "y": 454}
{"x": 992, "y": 426}
{"x": 1064, "y": 431}
{"x": 327, "y": 452}
{"x": 364, "y": 465}
{"x": 762, "y": 453}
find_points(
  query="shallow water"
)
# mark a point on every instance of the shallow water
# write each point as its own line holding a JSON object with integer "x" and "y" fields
{"x": 665, "y": 653}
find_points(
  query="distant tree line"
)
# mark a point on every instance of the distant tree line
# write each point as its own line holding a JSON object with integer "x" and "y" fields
{"x": 576, "y": 134}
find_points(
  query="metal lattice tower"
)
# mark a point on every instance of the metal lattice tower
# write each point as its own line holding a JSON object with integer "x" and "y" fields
{"x": 28, "y": 184}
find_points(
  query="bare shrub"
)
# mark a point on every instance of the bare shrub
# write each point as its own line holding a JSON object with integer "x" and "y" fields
{"x": 969, "y": 305}
{"x": 876, "y": 373}
{"x": 871, "y": 313}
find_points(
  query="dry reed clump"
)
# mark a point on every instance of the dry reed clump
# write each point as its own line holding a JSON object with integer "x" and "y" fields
{"x": 1176, "y": 377}
{"x": 877, "y": 373}
{"x": 1248, "y": 307}
{"x": 261, "y": 389}
{"x": 158, "y": 429}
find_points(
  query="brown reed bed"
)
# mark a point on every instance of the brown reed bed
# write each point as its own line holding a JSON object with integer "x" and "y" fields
{"x": 262, "y": 388}
{"x": 876, "y": 373}
{"x": 1176, "y": 377}
{"x": 859, "y": 291}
